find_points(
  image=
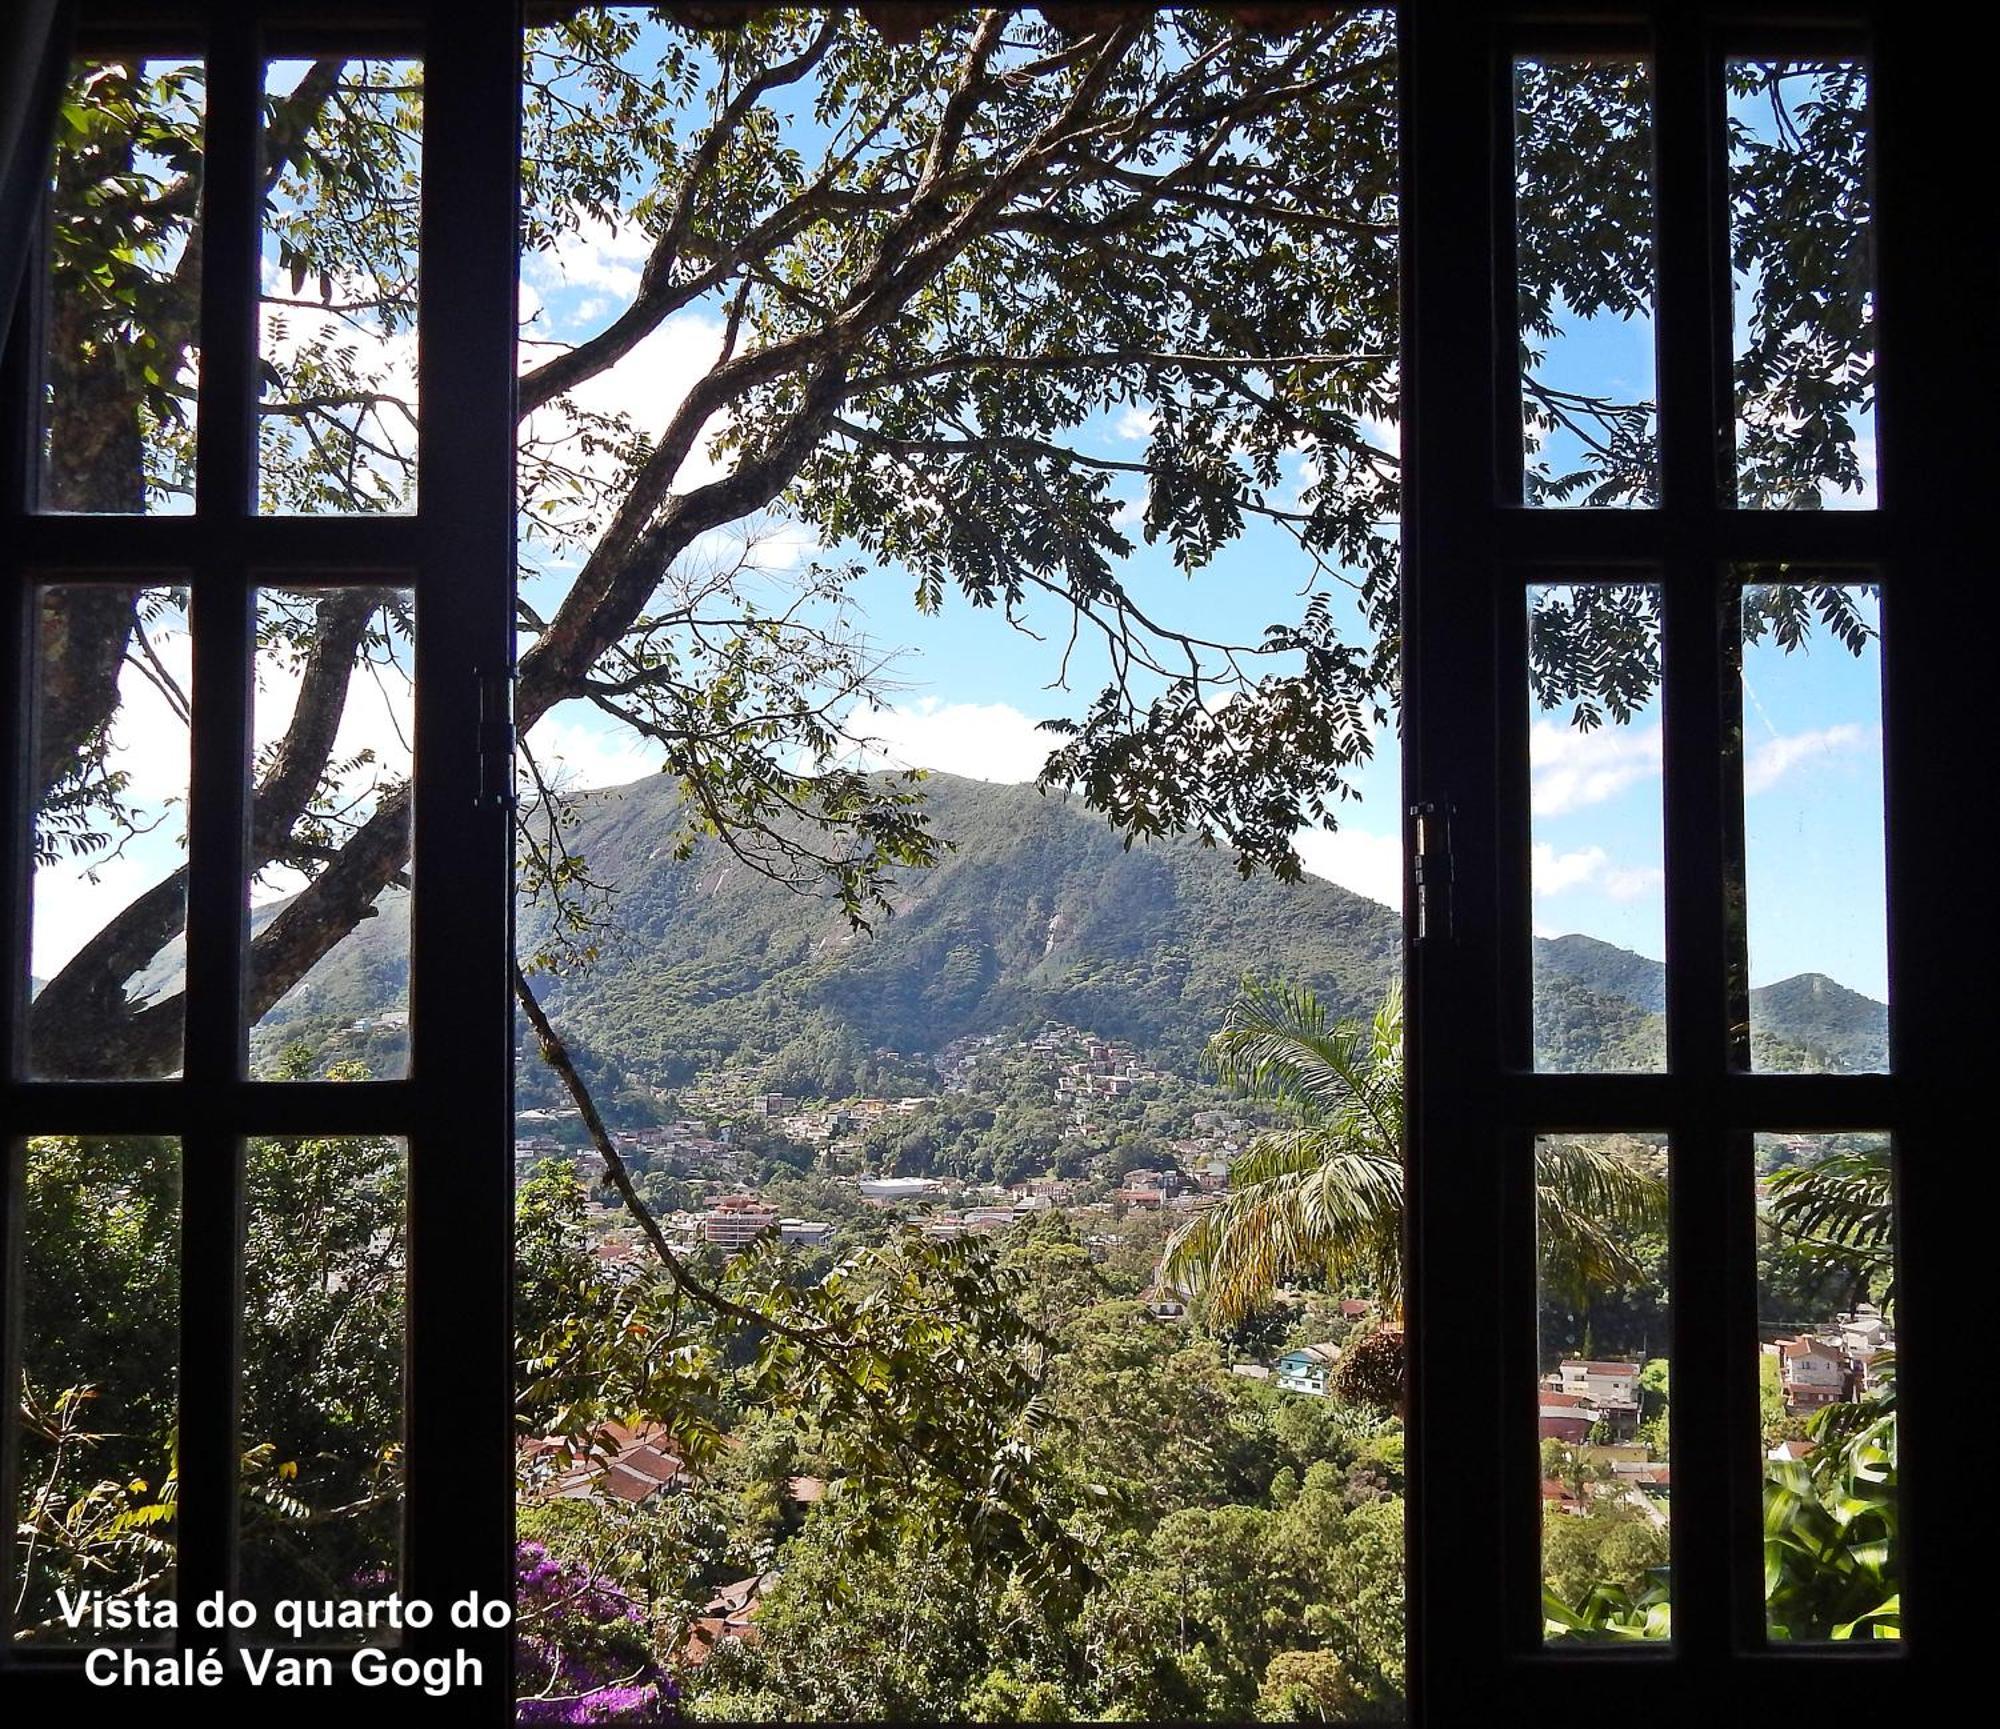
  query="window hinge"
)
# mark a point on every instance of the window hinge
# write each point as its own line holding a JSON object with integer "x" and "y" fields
{"x": 1431, "y": 867}
{"x": 496, "y": 741}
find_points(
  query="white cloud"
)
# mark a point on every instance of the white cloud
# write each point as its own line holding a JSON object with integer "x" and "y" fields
{"x": 1134, "y": 423}
{"x": 601, "y": 255}
{"x": 1556, "y": 872}
{"x": 981, "y": 740}
{"x": 1369, "y": 864}
{"x": 577, "y": 753}
{"x": 648, "y": 385}
{"x": 1771, "y": 761}
{"x": 1632, "y": 883}
{"x": 1571, "y": 769}
{"x": 1591, "y": 867}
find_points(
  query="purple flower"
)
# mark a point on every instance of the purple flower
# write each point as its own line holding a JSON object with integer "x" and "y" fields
{"x": 580, "y": 1650}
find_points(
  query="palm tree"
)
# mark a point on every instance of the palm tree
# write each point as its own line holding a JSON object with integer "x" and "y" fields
{"x": 1325, "y": 1193}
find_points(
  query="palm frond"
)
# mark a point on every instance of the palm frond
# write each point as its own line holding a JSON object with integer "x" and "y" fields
{"x": 1326, "y": 1197}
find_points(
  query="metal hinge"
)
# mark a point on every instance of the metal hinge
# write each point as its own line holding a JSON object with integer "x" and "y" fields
{"x": 1431, "y": 867}
{"x": 496, "y": 741}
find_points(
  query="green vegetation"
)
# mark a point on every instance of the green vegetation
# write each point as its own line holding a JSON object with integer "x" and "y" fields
{"x": 1037, "y": 913}
{"x": 1323, "y": 1195}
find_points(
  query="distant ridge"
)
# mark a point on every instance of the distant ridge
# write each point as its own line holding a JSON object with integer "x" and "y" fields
{"x": 1037, "y": 913}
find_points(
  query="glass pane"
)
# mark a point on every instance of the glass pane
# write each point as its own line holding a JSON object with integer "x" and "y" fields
{"x": 338, "y": 347}
{"x": 1826, "y": 1325}
{"x": 322, "y": 1425}
{"x": 110, "y": 788}
{"x": 1601, "y": 1417}
{"x": 1801, "y": 249}
{"x": 1583, "y": 187}
{"x": 1814, "y": 890}
{"x": 1597, "y": 827}
{"x": 99, "y": 1315}
{"x": 124, "y": 343}
{"x": 335, "y": 708}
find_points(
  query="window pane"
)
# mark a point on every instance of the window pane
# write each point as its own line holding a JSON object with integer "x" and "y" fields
{"x": 109, "y": 791}
{"x": 333, "y": 735}
{"x": 1826, "y": 1322}
{"x": 322, "y": 1424}
{"x": 1597, "y": 828}
{"x": 338, "y": 346}
{"x": 1801, "y": 249}
{"x": 1602, "y": 1398}
{"x": 124, "y": 343}
{"x": 1813, "y": 827}
{"x": 1583, "y": 185}
{"x": 99, "y": 1308}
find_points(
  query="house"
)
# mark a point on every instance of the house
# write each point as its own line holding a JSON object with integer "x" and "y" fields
{"x": 1865, "y": 1332}
{"x": 1561, "y": 1498}
{"x": 1812, "y": 1372}
{"x": 1609, "y": 1388}
{"x": 1613, "y": 1386}
{"x": 1307, "y": 1369}
{"x": 1250, "y": 1371}
{"x": 631, "y": 1465}
{"x": 1566, "y": 1417}
{"x": 728, "y": 1615}
{"x": 1164, "y": 1303}
{"x": 988, "y": 1218}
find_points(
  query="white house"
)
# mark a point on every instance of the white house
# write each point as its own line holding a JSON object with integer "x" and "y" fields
{"x": 1612, "y": 1386}
{"x": 1308, "y": 1369}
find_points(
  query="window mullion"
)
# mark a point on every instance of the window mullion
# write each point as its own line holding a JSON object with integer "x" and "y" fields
{"x": 217, "y": 919}
{"x": 1717, "y": 1553}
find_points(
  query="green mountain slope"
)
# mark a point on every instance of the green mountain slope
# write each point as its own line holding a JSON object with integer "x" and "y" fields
{"x": 1038, "y": 912}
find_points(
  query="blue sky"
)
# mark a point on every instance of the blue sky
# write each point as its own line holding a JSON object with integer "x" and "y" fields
{"x": 968, "y": 693}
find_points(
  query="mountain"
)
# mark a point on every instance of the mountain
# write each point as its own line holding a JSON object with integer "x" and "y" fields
{"x": 1594, "y": 999}
{"x": 1038, "y": 912}
{"x": 1846, "y": 1031}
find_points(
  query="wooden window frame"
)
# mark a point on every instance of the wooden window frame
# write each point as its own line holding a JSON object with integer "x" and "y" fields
{"x": 1471, "y": 548}
{"x": 456, "y": 553}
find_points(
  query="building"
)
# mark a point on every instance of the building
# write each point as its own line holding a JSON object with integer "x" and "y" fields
{"x": 1566, "y": 1417}
{"x": 633, "y": 1465}
{"x": 988, "y": 1218}
{"x": 1812, "y": 1373}
{"x": 1611, "y": 1385}
{"x": 737, "y": 1220}
{"x": 729, "y": 1615}
{"x": 1308, "y": 1369}
{"x": 885, "y": 1191}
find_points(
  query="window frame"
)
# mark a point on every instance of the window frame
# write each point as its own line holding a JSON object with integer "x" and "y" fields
{"x": 456, "y": 552}
{"x": 1470, "y": 546}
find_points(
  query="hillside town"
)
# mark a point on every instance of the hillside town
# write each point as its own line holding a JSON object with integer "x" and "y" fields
{"x": 732, "y": 1135}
